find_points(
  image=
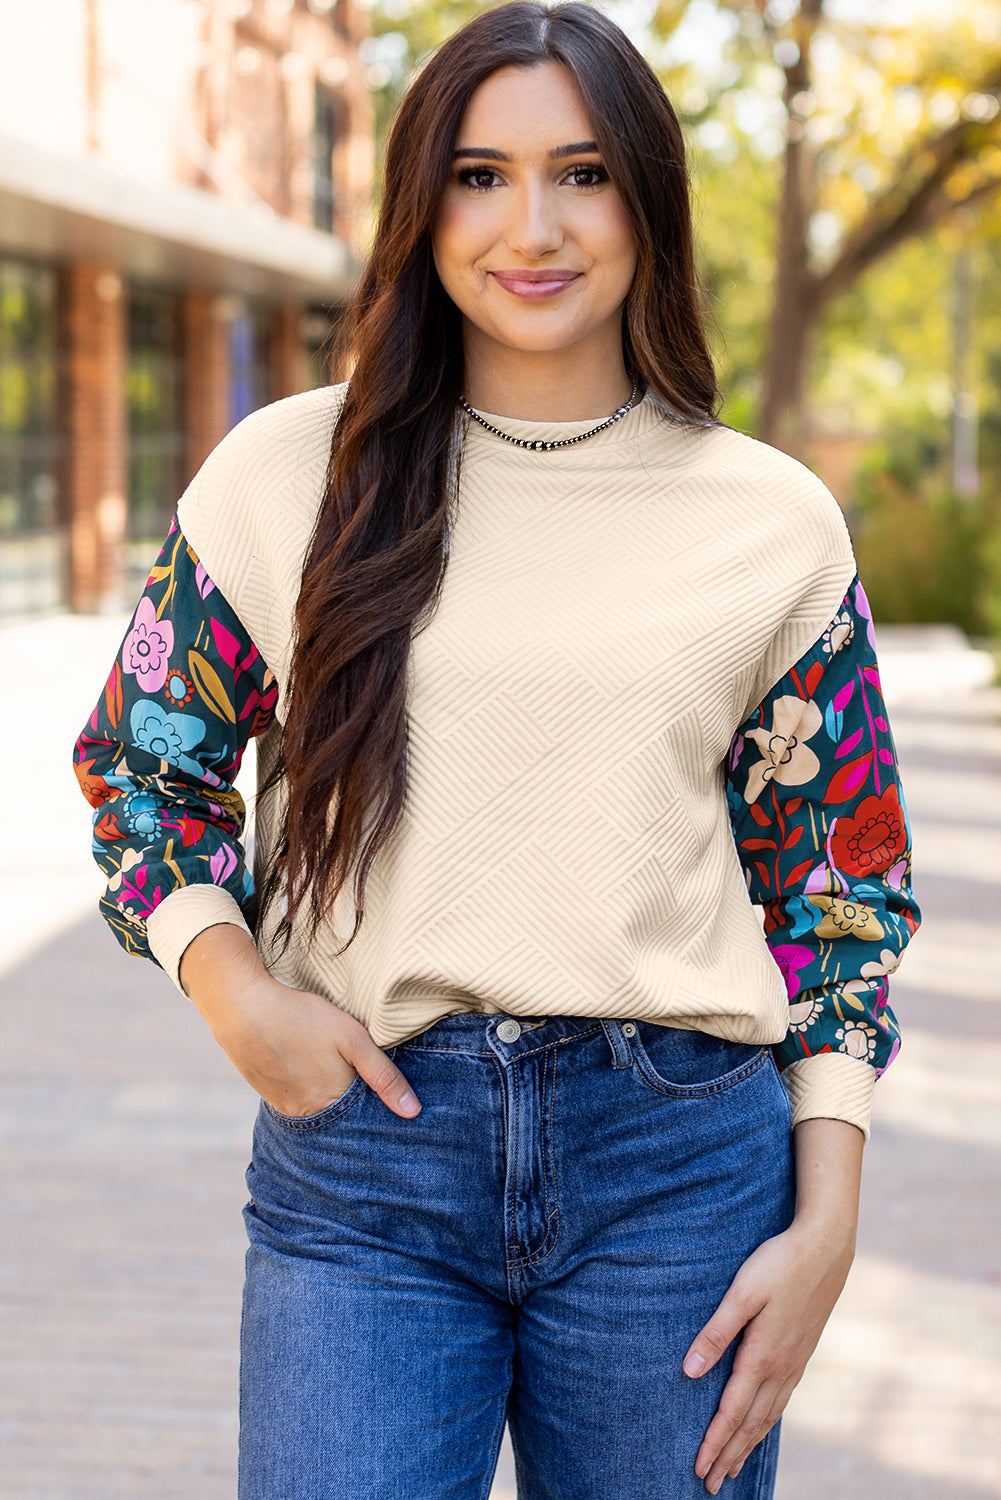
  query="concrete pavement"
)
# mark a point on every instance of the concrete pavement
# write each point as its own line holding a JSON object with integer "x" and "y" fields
{"x": 124, "y": 1133}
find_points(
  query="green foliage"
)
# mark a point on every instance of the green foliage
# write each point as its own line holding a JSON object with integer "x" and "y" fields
{"x": 734, "y": 225}
{"x": 923, "y": 560}
{"x": 404, "y": 34}
{"x": 925, "y": 554}
{"x": 883, "y": 355}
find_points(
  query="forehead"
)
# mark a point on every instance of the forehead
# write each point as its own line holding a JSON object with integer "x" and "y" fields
{"x": 522, "y": 109}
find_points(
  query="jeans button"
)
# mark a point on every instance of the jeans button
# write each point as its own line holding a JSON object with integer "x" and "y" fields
{"x": 509, "y": 1031}
{"x": 629, "y": 1029}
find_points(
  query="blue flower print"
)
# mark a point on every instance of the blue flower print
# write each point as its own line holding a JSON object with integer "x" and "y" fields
{"x": 166, "y": 736}
{"x": 141, "y": 812}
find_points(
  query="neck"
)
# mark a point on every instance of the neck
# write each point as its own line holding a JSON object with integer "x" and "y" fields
{"x": 551, "y": 386}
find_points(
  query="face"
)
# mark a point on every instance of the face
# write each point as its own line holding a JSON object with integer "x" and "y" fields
{"x": 532, "y": 241}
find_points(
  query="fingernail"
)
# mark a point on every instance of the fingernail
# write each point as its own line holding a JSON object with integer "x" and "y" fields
{"x": 409, "y": 1103}
{"x": 694, "y": 1365}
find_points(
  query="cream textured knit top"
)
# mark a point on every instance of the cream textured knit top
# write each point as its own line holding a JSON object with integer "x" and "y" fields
{"x": 610, "y": 614}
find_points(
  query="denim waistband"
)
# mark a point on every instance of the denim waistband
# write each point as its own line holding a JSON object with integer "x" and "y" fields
{"x": 482, "y": 1034}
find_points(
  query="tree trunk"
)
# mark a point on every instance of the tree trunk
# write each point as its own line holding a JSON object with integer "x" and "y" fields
{"x": 795, "y": 307}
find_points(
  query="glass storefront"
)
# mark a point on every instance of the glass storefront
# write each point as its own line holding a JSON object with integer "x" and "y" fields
{"x": 154, "y": 387}
{"x": 33, "y": 536}
{"x": 325, "y": 133}
{"x": 34, "y": 498}
{"x": 249, "y": 362}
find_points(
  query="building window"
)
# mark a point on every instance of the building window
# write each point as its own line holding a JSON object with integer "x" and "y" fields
{"x": 320, "y": 330}
{"x": 325, "y": 112}
{"x": 32, "y": 539}
{"x": 249, "y": 364}
{"x": 154, "y": 384}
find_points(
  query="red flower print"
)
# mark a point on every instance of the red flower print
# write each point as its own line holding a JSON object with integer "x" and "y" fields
{"x": 94, "y": 788}
{"x": 107, "y": 829}
{"x": 870, "y": 842}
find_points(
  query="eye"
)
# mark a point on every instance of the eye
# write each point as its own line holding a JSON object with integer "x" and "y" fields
{"x": 479, "y": 179}
{"x": 587, "y": 175}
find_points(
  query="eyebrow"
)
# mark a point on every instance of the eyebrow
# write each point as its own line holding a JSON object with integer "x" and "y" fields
{"x": 487, "y": 153}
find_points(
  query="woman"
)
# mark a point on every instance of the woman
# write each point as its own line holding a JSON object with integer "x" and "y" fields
{"x": 550, "y": 670}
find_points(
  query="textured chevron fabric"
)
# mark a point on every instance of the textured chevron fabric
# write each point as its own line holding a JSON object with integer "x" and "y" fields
{"x": 611, "y": 613}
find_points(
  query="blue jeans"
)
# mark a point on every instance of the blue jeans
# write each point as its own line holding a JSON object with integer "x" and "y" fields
{"x": 540, "y": 1245}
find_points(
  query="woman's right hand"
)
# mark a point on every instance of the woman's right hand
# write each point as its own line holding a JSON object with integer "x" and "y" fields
{"x": 299, "y": 1051}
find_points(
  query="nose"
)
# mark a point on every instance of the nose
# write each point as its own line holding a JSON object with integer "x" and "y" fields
{"x": 534, "y": 227}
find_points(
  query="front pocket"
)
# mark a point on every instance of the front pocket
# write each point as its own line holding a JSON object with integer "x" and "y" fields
{"x": 355, "y": 1091}
{"x": 691, "y": 1064}
{"x": 332, "y": 1111}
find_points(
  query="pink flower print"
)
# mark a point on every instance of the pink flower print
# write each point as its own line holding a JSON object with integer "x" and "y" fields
{"x": 865, "y": 610}
{"x": 147, "y": 648}
{"x": 893, "y": 1052}
{"x": 222, "y": 864}
{"x": 203, "y": 582}
{"x": 791, "y": 957}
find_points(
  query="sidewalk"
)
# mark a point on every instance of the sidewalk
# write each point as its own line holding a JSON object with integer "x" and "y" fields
{"x": 124, "y": 1133}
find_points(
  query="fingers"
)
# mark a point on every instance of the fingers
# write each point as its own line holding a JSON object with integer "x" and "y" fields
{"x": 739, "y": 1433}
{"x": 723, "y": 1327}
{"x": 745, "y": 1410}
{"x": 736, "y": 1406}
{"x": 301, "y": 1052}
{"x": 379, "y": 1071}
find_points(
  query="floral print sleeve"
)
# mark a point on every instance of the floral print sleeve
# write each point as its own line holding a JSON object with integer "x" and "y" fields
{"x": 822, "y": 833}
{"x": 158, "y": 755}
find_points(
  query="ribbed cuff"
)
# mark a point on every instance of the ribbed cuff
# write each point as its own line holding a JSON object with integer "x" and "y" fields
{"x": 831, "y": 1086}
{"x": 181, "y": 916}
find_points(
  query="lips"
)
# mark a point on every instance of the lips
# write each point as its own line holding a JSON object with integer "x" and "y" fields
{"x": 535, "y": 284}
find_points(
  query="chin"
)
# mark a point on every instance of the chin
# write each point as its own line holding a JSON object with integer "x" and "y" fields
{"x": 538, "y": 340}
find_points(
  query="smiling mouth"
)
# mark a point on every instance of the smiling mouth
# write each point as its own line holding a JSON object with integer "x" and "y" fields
{"x": 535, "y": 284}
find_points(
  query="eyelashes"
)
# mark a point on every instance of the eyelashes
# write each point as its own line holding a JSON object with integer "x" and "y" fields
{"x": 472, "y": 177}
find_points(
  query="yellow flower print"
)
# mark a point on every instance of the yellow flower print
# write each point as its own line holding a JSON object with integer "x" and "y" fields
{"x": 857, "y": 1039}
{"x": 786, "y": 757}
{"x": 842, "y": 918}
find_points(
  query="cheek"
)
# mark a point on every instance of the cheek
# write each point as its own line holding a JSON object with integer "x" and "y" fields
{"x": 446, "y": 243}
{"x": 457, "y": 240}
{"x": 609, "y": 241}
{"x": 621, "y": 242}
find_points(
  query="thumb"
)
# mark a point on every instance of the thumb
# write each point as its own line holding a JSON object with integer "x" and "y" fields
{"x": 381, "y": 1073}
{"x": 712, "y": 1341}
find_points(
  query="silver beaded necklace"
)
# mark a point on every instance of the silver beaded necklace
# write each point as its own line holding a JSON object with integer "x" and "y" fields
{"x": 541, "y": 446}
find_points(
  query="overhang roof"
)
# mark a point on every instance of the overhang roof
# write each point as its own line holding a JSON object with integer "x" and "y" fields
{"x": 76, "y": 209}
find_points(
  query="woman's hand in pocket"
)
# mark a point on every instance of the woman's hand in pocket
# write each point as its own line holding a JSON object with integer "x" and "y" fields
{"x": 299, "y": 1051}
{"x": 780, "y": 1300}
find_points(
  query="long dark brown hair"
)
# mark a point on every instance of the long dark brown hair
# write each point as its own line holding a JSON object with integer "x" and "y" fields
{"x": 375, "y": 567}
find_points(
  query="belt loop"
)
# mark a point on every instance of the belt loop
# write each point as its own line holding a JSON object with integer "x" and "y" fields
{"x": 622, "y": 1056}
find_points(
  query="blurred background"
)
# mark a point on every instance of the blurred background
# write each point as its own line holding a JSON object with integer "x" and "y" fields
{"x": 187, "y": 190}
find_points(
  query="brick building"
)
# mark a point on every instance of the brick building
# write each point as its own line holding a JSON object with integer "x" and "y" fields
{"x": 184, "y": 187}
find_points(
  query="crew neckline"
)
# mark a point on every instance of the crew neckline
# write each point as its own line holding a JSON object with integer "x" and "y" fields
{"x": 649, "y": 411}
